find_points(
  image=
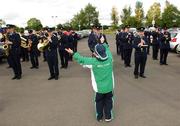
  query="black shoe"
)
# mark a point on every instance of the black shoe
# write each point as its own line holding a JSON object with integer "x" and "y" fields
{"x": 142, "y": 76}
{"x": 62, "y": 67}
{"x": 18, "y": 77}
{"x": 165, "y": 64}
{"x": 32, "y": 67}
{"x": 36, "y": 67}
{"x": 50, "y": 78}
{"x": 56, "y": 77}
{"x": 9, "y": 67}
{"x": 15, "y": 77}
{"x": 136, "y": 76}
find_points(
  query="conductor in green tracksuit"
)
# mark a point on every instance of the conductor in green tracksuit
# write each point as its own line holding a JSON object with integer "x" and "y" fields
{"x": 102, "y": 78}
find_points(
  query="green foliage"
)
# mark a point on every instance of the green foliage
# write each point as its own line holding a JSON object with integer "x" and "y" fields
{"x": 34, "y": 24}
{"x": 85, "y": 18}
{"x": 154, "y": 12}
{"x": 125, "y": 15}
{"x": 139, "y": 14}
{"x": 171, "y": 16}
{"x": 114, "y": 18}
{"x": 2, "y": 22}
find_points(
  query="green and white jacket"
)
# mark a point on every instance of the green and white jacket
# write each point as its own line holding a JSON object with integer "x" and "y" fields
{"x": 101, "y": 71}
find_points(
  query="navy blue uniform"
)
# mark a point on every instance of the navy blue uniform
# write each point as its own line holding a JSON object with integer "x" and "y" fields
{"x": 64, "y": 55}
{"x": 147, "y": 39}
{"x": 94, "y": 39}
{"x": 71, "y": 41}
{"x": 140, "y": 57}
{"x": 34, "y": 53}
{"x": 14, "y": 54}
{"x": 155, "y": 45}
{"x": 127, "y": 39}
{"x": 164, "y": 47}
{"x": 118, "y": 43}
{"x": 52, "y": 57}
{"x": 75, "y": 42}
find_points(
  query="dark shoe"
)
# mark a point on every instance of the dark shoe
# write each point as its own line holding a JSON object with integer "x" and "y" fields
{"x": 62, "y": 67}
{"x": 136, "y": 76}
{"x": 50, "y": 78}
{"x": 36, "y": 67}
{"x": 32, "y": 67}
{"x": 56, "y": 77}
{"x": 165, "y": 64}
{"x": 129, "y": 66}
{"x": 142, "y": 76}
{"x": 15, "y": 77}
{"x": 18, "y": 77}
{"x": 9, "y": 67}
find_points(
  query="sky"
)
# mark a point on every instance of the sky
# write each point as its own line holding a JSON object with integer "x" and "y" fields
{"x": 52, "y": 12}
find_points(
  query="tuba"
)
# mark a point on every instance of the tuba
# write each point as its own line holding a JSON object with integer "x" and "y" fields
{"x": 41, "y": 45}
{"x": 23, "y": 43}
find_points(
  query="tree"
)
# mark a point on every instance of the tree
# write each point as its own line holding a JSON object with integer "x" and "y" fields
{"x": 2, "y": 22}
{"x": 170, "y": 16}
{"x": 139, "y": 13}
{"x": 114, "y": 17}
{"x": 125, "y": 15}
{"x": 85, "y": 18}
{"x": 154, "y": 12}
{"x": 34, "y": 24}
{"x": 59, "y": 26}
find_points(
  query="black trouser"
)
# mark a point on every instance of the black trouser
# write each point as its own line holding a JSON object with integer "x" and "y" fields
{"x": 148, "y": 49}
{"x": 44, "y": 56}
{"x": 104, "y": 104}
{"x": 15, "y": 63}
{"x": 9, "y": 61}
{"x": 155, "y": 51}
{"x": 34, "y": 58}
{"x": 140, "y": 61}
{"x": 52, "y": 60}
{"x": 163, "y": 56}
{"x": 24, "y": 54}
{"x": 122, "y": 52}
{"x": 127, "y": 56}
{"x": 118, "y": 48}
{"x": 75, "y": 46}
{"x": 64, "y": 56}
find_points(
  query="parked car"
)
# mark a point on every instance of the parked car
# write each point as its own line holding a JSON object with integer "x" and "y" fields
{"x": 175, "y": 39}
{"x": 178, "y": 49}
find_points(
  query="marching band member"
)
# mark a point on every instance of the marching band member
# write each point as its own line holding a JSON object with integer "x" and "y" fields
{"x": 64, "y": 56}
{"x": 52, "y": 55}
{"x": 127, "y": 39}
{"x": 14, "y": 42}
{"x": 164, "y": 46}
{"x": 33, "y": 42}
{"x": 140, "y": 46}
